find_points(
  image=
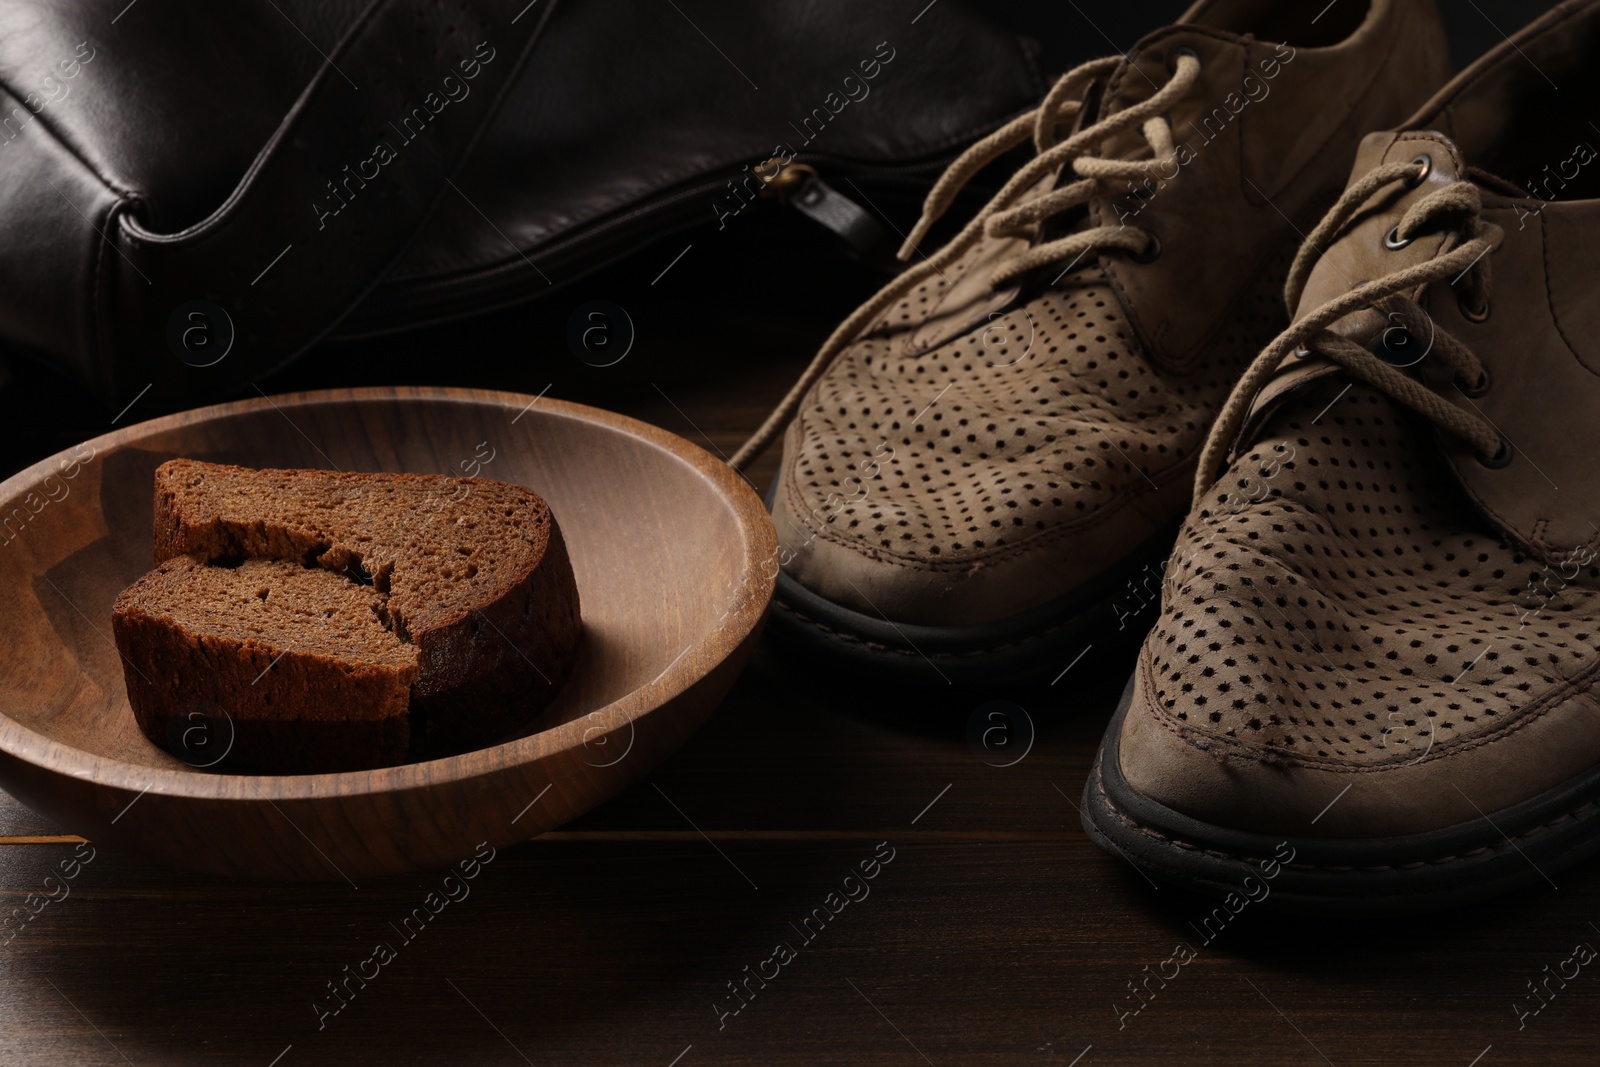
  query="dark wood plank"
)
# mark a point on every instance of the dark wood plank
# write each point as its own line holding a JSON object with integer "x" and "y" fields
{"x": 16, "y": 821}
{"x": 584, "y": 952}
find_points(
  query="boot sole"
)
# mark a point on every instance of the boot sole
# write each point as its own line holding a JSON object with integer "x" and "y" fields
{"x": 1514, "y": 848}
{"x": 1034, "y": 646}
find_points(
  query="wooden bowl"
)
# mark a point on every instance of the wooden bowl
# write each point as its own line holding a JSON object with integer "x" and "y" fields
{"x": 675, "y": 560}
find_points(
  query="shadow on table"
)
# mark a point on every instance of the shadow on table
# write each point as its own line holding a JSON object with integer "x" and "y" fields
{"x": 551, "y": 943}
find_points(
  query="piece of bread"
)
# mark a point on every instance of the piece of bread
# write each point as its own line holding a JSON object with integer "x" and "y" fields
{"x": 467, "y": 576}
{"x": 271, "y": 658}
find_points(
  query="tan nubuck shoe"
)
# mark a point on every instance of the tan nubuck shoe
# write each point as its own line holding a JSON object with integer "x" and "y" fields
{"x": 1371, "y": 686}
{"x": 989, "y": 459}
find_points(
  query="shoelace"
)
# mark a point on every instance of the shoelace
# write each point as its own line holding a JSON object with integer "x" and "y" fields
{"x": 1468, "y": 262}
{"x": 1061, "y": 107}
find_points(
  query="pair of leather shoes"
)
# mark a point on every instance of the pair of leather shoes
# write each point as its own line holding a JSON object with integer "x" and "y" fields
{"x": 1339, "y": 466}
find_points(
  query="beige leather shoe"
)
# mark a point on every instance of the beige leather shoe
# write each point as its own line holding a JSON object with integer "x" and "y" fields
{"x": 988, "y": 460}
{"x": 1378, "y": 637}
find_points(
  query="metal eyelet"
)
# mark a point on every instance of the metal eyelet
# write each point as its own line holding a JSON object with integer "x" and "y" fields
{"x": 1397, "y": 348}
{"x": 1392, "y": 241}
{"x": 1172, "y": 57}
{"x": 1151, "y": 253}
{"x": 1474, "y": 315}
{"x": 1501, "y": 458}
{"x": 1475, "y": 389}
{"x": 1424, "y": 161}
{"x": 1303, "y": 353}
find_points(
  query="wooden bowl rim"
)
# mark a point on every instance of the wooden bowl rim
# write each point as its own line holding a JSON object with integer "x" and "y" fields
{"x": 759, "y": 542}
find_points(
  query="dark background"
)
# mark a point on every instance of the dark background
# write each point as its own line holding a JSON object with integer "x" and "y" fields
{"x": 712, "y": 322}
{"x": 1072, "y": 31}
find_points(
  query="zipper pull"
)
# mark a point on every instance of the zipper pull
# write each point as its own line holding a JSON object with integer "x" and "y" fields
{"x": 798, "y": 186}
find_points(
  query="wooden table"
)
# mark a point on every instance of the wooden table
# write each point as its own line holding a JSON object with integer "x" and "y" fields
{"x": 996, "y": 934}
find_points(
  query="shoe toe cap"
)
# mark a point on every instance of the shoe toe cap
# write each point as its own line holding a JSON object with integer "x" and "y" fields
{"x": 1218, "y": 781}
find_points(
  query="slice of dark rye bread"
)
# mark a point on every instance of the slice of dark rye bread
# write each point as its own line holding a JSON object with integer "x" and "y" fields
{"x": 467, "y": 580}
{"x": 273, "y": 660}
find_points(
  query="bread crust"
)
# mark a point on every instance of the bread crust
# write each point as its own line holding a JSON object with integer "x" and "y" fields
{"x": 473, "y": 574}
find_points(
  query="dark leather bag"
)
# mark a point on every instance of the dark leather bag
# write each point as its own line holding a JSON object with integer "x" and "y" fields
{"x": 192, "y": 194}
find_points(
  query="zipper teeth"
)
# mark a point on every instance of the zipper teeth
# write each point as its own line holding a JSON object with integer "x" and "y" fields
{"x": 823, "y": 163}
{"x": 502, "y": 283}
{"x": 818, "y": 159}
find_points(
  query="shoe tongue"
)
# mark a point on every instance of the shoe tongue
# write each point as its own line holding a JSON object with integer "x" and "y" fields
{"x": 1359, "y": 255}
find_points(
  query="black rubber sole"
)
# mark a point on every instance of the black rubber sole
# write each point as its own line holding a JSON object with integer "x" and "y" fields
{"x": 1031, "y": 647}
{"x": 1514, "y": 848}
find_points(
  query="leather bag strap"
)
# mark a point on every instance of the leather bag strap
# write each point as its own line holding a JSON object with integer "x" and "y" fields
{"x": 332, "y": 200}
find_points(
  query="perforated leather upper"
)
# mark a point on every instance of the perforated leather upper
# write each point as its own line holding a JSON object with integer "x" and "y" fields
{"x": 1014, "y": 432}
{"x": 1347, "y": 606}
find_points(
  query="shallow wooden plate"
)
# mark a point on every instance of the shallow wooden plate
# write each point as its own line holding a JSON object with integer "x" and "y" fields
{"x": 675, "y": 561}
